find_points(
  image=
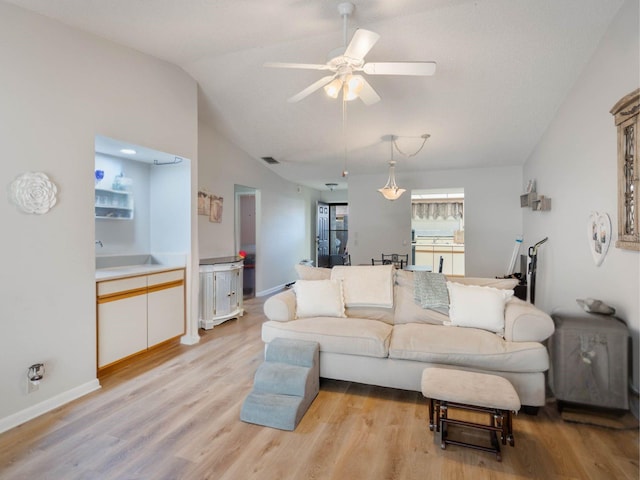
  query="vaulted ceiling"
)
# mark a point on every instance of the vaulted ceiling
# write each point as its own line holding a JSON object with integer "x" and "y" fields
{"x": 503, "y": 69}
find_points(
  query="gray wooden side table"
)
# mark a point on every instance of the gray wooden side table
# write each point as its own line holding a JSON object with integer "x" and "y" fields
{"x": 589, "y": 359}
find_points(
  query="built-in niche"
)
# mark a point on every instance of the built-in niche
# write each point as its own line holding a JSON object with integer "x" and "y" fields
{"x": 142, "y": 200}
{"x": 437, "y": 230}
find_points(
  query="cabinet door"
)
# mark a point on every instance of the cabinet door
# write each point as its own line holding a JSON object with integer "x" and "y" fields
{"x": 424, "y": 256}
{"x": 222, "y": 291}
{"x": 165, "y": 307}
{"x": 122, "y": 328}
{"x": 458, "y": 261}
{"x": 447, "y": 259}
{"x": 235, "y": 289}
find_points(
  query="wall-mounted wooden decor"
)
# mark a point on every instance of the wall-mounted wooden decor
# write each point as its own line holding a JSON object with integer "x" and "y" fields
{"x": 627, "y": 119}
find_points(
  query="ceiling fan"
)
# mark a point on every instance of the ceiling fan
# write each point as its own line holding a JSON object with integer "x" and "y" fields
{"x": 345, "y": 62}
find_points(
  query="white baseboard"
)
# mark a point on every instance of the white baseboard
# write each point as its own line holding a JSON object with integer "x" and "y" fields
{"x": 189, "y": 339}
{"x": 264, "y": 293}
{"x": 34, "y": 411}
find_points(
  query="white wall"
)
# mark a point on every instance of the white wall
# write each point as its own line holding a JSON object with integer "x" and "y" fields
{"x": 124, "y": 237}
{"x": 337, "y": 196}
{"x": 575, "y": 164}
{"x": 169, "y": 207}
{"x": 60, "y": 87}
{"x": 284, "y": 211}
{"x": 493, "y": 217}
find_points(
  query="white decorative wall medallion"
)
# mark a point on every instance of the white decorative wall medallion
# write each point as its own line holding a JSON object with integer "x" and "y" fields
{"x": 599, "y": 231}
{"x": 33, "y": 192}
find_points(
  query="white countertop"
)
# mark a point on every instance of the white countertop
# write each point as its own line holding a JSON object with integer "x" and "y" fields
{"x": 113, "y": 273}
{"x": 437, "y": 244}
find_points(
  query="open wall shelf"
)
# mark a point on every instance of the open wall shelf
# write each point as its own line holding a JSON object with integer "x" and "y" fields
{"x": 113, "y": 204}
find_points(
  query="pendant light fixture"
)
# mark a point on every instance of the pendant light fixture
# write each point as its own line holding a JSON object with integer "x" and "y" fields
{"x": 391, "y": 191}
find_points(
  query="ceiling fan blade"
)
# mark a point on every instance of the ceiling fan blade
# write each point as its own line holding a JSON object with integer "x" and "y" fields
{"x": 400, "y": 68}
{"x": 368, "y": 95}
{"x": 311, "y": 88}
{"x": 362, "y": 41}
{"x": 308, "y": 66}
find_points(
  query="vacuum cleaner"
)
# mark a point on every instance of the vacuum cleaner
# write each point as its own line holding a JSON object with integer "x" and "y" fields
{"x": 533, "y": 262}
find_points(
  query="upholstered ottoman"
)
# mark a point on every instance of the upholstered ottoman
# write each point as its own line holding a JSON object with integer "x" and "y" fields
{"x": 477, "y": 392}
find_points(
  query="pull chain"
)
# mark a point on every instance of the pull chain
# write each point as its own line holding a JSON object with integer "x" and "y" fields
{"x": 345, "y": 172}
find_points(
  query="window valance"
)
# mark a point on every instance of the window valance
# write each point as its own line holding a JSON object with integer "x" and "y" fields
{"x": 435, "y": 210}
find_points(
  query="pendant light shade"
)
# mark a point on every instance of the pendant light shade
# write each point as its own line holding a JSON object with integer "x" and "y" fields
{"x": 349, "y": 85}
{"x": 391, "y": 191}
{"x": 333, "y": 88}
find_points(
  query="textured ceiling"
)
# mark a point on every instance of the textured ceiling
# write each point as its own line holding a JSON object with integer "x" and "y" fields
{"x": 504, "y": 68}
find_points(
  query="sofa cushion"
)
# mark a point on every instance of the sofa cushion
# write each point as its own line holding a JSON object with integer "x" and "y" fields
{"x": 477, "y": 307}
{"x": 371, "y": 313}
{"x": 466, "y": 347}
{"x": 305, "y": 272}
{"x": 406, "y": 309}
{"x": 316, "y": 298}
{"x": 366, "y": 286}
{"x": 353, "y": 336}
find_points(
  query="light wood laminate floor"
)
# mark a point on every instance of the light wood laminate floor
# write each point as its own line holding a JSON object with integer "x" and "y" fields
{"x": 174, "y": 414}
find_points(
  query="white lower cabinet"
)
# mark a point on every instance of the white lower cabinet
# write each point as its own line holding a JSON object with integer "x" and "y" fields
{"x": 452, "y": 258}
{"x": 137, "y": 313}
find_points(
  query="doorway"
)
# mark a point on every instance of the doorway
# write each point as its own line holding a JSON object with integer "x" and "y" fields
{"x": 322, "y": 234}
{"x": 332, "y": 234}
{"x": 437, "y": 230}
{"x": 338, "y": 234}
{"x": 246, "y": 225}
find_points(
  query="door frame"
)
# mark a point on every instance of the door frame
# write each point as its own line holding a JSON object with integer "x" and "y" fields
{"x": 239, "y": 192}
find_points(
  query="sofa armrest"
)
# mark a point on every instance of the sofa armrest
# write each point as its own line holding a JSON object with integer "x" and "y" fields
{"x": 281, "y": 307}
{"x": 523, "y": 322}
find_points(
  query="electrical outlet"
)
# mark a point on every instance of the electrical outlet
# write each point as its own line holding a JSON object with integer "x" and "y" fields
{"x": 35, "y": 373}
{"x": 32, "y": 387}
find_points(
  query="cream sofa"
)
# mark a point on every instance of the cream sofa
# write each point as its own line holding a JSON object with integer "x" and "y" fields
{"x": 385, "y": 338}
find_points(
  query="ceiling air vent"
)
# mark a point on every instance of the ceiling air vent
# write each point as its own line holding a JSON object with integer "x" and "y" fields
{"x": 270, "y": 160}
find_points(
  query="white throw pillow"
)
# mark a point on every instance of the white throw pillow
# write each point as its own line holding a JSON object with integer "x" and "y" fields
{"x": 319, "y": 298}
{"x": 477, "y": 307}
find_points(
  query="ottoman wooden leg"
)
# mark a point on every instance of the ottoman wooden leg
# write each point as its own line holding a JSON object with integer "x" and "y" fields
{"x": 432, "y": 425}
{"x": 442, "y": 423}
{"x": 510, "y": 438}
